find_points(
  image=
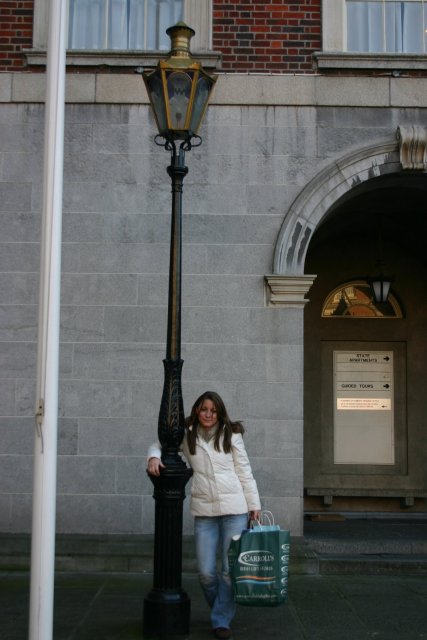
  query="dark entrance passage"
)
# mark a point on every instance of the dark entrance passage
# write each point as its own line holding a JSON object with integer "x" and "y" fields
{"x": 365, "y": 411}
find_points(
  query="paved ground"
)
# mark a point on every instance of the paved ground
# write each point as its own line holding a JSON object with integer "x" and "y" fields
{"x": 352, "y": 579}
{"x": 109, "y": 607}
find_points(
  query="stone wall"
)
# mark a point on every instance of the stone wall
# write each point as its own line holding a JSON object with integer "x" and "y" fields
{"x": 116, "y": 221}
{"x": 264, "y": 140}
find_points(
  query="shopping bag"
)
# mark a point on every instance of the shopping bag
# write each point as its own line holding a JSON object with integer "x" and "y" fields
{"x": 259, "y": 565}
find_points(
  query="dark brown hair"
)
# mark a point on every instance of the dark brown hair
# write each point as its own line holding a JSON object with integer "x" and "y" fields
{"x": 226, "y": 427}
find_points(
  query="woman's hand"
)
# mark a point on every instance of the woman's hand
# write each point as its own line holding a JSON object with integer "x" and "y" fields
{"x": 255, "y": 515}
{"x": 154, "y": 466}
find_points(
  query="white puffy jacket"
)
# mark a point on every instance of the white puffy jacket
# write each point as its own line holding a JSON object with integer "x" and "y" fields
{"x": 223, "y": 483}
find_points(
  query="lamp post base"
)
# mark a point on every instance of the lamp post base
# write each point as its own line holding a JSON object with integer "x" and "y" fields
{"x": 167, "y": 606}
{"x": 166, "y": 613}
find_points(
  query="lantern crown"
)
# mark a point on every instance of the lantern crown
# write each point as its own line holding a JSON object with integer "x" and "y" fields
{"x": 180, "y": 35}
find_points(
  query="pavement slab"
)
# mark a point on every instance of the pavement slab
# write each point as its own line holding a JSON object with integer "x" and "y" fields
{"x": 100, "y": 606}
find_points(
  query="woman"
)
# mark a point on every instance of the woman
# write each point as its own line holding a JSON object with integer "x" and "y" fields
{"x": 223, "y": 493}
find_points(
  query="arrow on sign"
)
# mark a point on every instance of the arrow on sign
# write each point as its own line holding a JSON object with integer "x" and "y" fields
{"x": 386, "y": 358}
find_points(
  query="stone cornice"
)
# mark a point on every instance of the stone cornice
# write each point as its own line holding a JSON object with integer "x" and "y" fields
{"x": 412, "y": 147}
{"x": 287, "y": 291}
{"x": 231, "y": 89}
{"x": 392, "y": 62}
{"x": 106, "y": 59}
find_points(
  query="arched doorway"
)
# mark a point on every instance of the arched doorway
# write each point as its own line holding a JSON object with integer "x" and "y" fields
{"x": 358, "y": 455}
{"x": 320, "y": 197}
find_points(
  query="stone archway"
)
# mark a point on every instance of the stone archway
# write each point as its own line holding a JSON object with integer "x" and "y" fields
{"x": 344, "y": 247}
{"x": 288, "y": 284}
{"x": 321, "y": 194}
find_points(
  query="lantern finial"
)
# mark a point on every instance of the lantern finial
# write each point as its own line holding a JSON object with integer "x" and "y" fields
{"x": 180, "y": 35}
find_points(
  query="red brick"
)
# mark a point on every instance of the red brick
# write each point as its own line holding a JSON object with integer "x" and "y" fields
{"x": 250, "y": 35}
{"x": 276, "y": 25}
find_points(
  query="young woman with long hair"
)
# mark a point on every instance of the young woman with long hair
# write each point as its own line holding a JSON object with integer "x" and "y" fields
{"x": 223, "y": 495}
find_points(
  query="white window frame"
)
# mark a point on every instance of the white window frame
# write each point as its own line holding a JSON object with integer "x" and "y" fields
{"x": 115, "y": 27}
{"x": 197, "y": 14}
{"x": 334, "y": 52}
{"x": 334, "y": 33}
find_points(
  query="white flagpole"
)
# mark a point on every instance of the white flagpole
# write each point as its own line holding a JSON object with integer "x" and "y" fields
{"x": 45, "y": 446}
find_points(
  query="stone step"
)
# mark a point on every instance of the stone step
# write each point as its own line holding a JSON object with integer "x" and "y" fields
{"x": 365, "y": 547}
{"x": 375, "y": 564}
{"x": 309, "y": 556}
{"x": 394, "y": 545}
{"x": 116, "y": 553}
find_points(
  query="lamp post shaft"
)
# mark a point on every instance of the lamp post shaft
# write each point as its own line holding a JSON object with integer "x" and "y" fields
{"x": 167, "y": 606}
{"x": 177, "y": 172}
{"x": 171, "y": 425}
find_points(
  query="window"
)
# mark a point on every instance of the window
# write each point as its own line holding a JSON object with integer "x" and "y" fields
{"x": 122, "y": 24}
{"x": 354, "y": 300}
{"x": 391, "y": 26}
{"x": 373, "y": 34}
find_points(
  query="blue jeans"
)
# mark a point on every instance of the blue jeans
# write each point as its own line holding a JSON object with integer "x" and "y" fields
{"x": 213, "y": 535}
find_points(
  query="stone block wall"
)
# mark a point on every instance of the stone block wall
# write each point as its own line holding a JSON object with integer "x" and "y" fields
{"x": 116, "y": 219}
{"x": 264, "y": 140}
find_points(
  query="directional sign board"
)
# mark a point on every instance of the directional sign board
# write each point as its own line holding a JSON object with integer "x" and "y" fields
{"x": 363, "y": 407}
{"x": 363, "y": 404}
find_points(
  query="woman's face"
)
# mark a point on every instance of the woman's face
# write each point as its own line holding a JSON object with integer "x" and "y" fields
{"x": 207, "y": 414}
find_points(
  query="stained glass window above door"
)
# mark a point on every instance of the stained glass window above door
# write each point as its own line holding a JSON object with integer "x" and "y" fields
{"x": 355, "y": 300}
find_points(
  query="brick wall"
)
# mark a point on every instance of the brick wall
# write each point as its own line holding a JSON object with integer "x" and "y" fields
{"x": 253, "y": 36}
{"x": 16, "y": 32}
{"x": 267, "y": 36}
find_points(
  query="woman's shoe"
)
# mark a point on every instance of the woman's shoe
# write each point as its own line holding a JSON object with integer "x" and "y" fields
{"x": 222, "y": 632}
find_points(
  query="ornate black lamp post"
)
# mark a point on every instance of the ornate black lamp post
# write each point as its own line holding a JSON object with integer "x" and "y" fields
{"x": 179, "y": 91}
